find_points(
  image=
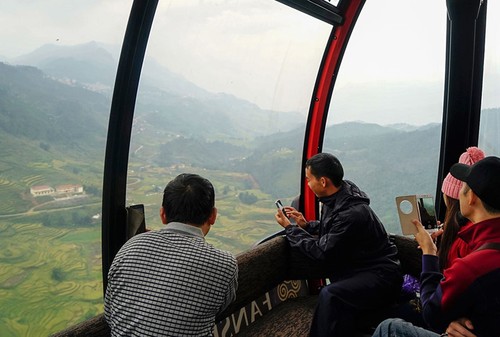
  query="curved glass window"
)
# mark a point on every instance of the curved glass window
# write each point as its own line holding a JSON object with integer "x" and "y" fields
{"x": 224, "y": 93}
{"x": 58, "y": 62}
{"x": 489, "y": 133}
{"x": 386, "y": 108}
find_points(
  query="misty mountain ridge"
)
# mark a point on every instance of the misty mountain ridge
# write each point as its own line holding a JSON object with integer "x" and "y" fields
{"x": 89, "y": 64}
{"x": 408, "y": 127}
{"x": 210, "y": 131}
{"x": 41, "y": 103}
{"x": 93, "y": 62}
{"x": 93, "y": 66}
{"x": 168, "y": 99}
{"x": 34, "y": 106}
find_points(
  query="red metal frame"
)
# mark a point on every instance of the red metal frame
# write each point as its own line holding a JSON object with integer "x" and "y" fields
{"x": 320, "y": 102}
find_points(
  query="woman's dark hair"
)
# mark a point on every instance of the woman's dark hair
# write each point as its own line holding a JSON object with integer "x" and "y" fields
{"x": 189, "y": 198}
{"x": 453, "y": 221}
{"x": 326, "y": 165}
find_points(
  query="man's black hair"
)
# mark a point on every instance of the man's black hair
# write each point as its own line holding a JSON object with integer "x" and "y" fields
{"x": 189, "y": 198}
{"x": 326, "y": 165}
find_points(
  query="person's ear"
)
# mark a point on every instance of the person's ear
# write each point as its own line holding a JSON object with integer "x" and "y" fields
{"x": 471, "y": 197}
{"x": 213, "y": 216}
{"x": 323, "y": 181}
{"x": 163, "y": 215}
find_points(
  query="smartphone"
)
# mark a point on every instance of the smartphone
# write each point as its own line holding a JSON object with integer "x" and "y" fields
{"x": 279, "y": 204}
{"x": 419, "y": 207}
{"x": 136, "y": 222}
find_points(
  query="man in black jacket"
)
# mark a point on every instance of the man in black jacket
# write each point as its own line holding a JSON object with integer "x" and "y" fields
{"x": 351, "y": 242}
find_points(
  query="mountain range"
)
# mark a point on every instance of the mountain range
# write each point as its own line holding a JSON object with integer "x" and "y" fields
{"x": 93, "y": 66}
{"x": 59, "y": 100}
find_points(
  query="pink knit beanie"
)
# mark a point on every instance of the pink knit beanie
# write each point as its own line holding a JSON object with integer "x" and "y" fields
{"x": 451, "y": 186}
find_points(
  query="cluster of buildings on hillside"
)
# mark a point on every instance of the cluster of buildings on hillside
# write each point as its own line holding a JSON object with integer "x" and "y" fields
{"x": 42, "y": 190}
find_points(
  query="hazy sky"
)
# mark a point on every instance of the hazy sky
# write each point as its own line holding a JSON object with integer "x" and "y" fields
{"x": 218, "y": 44}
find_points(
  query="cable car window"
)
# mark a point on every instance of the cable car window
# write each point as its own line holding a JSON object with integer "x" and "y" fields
{"x": 57, "y": 71}
{"x": 489, "y": 132}
{"x": 387, "y": 105}
{"x": 224, "y": 93}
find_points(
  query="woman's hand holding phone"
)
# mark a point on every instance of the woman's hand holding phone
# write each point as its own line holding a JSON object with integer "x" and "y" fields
{"x": 424, "y": 239}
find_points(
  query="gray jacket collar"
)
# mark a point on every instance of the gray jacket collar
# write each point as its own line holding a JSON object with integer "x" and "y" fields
{"x": 183, "y": 228}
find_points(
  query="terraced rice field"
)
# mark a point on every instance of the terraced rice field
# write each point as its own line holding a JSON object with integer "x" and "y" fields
{"x": 48, "y": 277}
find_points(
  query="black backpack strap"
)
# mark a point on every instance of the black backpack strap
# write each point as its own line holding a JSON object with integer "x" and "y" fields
{"x": 490, "y": 245}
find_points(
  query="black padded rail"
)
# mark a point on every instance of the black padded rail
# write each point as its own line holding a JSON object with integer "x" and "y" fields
{"x": 409, "y": 255}
{"x": 261, "y": 269}
{"x": 93, "y": 327}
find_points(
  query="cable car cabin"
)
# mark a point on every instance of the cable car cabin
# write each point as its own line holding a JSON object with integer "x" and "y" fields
{"x": 242, "y": 93}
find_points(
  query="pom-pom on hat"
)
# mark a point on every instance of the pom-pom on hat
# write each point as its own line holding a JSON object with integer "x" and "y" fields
{"x": 451, "y": 185}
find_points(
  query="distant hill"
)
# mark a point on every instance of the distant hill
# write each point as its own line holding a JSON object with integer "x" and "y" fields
{"x": 88, "y": 64}
{"x": 391, "y": 164}
{"x": 382, "y": 161}
{"x": 94, "y": 65}
{"x": 216, "y": 117}
{"x": 39, "y": 108}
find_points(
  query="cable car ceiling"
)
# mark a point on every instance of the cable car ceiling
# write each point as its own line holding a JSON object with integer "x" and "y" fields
{"x": 319, "y": 9}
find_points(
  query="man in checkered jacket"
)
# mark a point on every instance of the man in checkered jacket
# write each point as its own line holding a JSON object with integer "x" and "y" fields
{"x": 171, "y": 282}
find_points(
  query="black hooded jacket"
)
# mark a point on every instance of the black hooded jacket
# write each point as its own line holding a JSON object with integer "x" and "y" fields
{"x": 349, "y": 237}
